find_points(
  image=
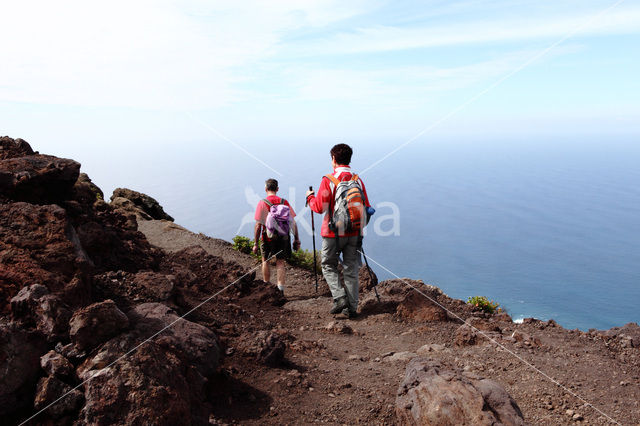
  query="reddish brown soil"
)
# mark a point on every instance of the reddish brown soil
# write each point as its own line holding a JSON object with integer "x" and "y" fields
{"x": 350, "y": 375}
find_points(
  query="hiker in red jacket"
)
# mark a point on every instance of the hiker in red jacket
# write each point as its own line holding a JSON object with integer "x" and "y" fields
{"x": 275, "y": 244}
{"x": 345, "y": 299}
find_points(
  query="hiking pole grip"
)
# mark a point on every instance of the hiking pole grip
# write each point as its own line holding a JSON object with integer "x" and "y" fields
{"x": 306, "y": 203}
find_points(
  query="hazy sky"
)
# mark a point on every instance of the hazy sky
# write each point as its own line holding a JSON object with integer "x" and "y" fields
{"x": 122, "y": 72}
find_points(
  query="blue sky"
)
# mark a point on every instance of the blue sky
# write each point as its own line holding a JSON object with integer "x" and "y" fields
{"x": 142, "y": 72}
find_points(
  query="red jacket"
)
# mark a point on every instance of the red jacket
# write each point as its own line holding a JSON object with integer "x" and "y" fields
{"x": 322, "y": 202}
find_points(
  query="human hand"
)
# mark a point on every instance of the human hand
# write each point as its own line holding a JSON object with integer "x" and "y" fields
{"x": 255, "y": 249}
{"x": 310, "y": 192}
{"x": 296, "y": 245}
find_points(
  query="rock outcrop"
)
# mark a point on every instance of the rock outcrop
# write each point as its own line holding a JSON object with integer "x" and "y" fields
{"x": 163, "y": 379}
{"x": 434, "y": 395}
{"x": 410, "y": 300}
{"x": 14, "y": 148}
{"x": 35, "y": 248}
{"x": 138, "y": 203}
{"x": 38, "y": 179}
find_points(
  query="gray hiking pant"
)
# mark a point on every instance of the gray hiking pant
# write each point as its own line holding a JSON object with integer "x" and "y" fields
{"x": 350, "y": 267}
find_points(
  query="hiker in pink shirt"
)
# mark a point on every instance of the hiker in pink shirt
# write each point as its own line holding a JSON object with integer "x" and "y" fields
{"x": 270, "y": 214}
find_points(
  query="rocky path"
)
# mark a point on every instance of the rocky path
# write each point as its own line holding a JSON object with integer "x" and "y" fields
{"x": 103, "y": 324}
{"x": 349, "y": 371}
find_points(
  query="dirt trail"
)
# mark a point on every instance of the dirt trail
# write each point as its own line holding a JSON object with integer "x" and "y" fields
{"x": 348, "y": 371}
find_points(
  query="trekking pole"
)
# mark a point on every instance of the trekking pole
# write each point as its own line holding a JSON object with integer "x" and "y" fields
{"x": 313, "y": 237}
{"x": 375, "y": 286}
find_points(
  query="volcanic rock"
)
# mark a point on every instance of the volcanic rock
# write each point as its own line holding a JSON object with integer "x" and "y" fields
{"x": 55, "y": 364}
{"x": 113, "y": 243}
{"x": 35, "y": 248}
{"x": 146, "y": 204}
{"x": 38, "y": 179}
{"x": 149, "y": 384}
{"x": 367, "y": 279}
{"x": 194, "y": 267}
{"x": 417, "y": 307}
{"x": 86, "y": 192}
{"x": 126, "y": 288}
{"x": 125, "y": 205}
{"x": 630, "y": 331}
{"x": 466, "y": 336}
{"x": 433, "y": 395}
{"x": 14, "y": 148}
{"x": 392, "y": 292}
{"x": 20, "y": 353}
{"x": 58, "y": 396}
{"x": 483, "y": 324}
{"x": 268, "y": 347}
{"x": 197, "y": 343}
{"x": 96, "y": 323}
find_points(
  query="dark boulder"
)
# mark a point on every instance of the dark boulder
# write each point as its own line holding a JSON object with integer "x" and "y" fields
{"x": 150, "y": 384}
{"x": 33, "y": 306}
{"x": 196, "y": 343}
{"x": 431, "y": 394}
{"x": 14, "y": 148}
{"x": 162, "y": 377}
{"x": 95, "y": 324}
{"x": 146, "y": 204}
{"x": 38, "y": 179}
{"x": 85, "y": 192}
{"x": 57, "y": 398}
{"x": 267, "y": 347}
{"x": 54, "y": 364}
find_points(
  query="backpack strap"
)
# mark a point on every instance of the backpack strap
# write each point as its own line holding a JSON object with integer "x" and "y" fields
{"x": 355, "y": 177}
{"x": 268, "y": 203}
{"x": 333, "y": 179}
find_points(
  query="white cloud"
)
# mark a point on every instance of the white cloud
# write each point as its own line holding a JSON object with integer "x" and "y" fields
{"x": 404, "y": 86}
{"x": 145, "y": 53}
{"x": 381, "y": 38}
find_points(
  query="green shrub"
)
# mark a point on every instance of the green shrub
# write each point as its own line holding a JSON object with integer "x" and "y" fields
{"x": 301, "y": 258}
{"x": 304, "y": 259}
{"x": 244, "y": 245}
{"x": 484, "y": 304}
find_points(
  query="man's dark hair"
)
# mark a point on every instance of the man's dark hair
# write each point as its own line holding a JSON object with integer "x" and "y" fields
{"x": 342, "y": 153}
{"x": 271, "y": 185}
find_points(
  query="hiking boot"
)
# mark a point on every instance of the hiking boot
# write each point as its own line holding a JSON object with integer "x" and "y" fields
{"x": 339, "y": 305}
{"x": 349, "y": 313}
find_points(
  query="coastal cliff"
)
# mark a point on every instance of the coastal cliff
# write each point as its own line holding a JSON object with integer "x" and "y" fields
{"x": 110, "y": 313}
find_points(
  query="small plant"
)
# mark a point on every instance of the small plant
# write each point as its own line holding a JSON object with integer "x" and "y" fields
{"x": 301, "y": 258}
{"x": 484, "y": 304}
{"x": 304, "y": 259}
{"x": 243, "y": 244}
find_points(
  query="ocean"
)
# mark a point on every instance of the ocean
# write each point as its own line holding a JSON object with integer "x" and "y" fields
{"x": 547, "y": 228}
